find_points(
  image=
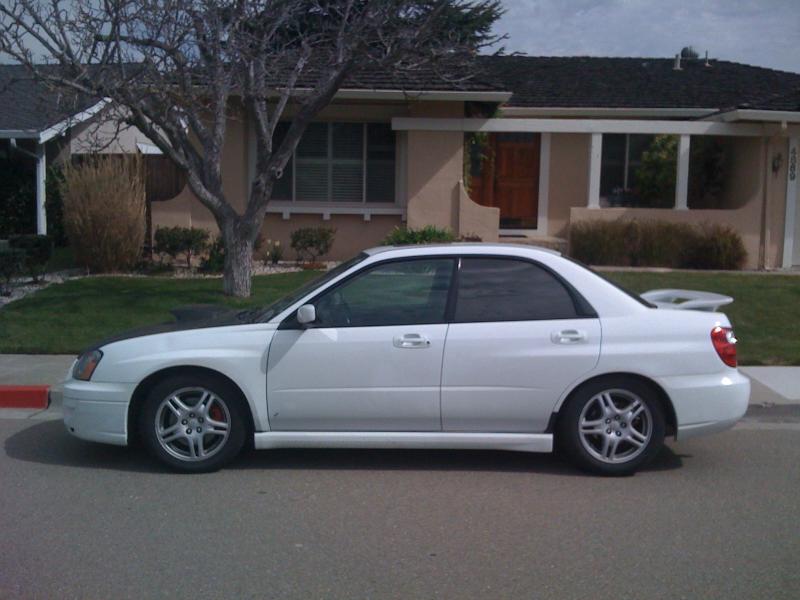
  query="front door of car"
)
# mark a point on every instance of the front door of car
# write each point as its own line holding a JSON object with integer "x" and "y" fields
{"x": 518, "y": 339}
{"x": 371, "y": 361}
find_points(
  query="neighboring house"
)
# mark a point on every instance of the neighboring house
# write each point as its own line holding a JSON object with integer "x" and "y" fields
{"x": 565, "y": 139}
{"x": 48, "y": 126}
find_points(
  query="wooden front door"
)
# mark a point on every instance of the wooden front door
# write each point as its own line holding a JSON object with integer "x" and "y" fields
{"x": 509, "y": 179}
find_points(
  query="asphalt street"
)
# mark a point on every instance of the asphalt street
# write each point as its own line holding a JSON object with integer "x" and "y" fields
{"x": 715, "y": 517}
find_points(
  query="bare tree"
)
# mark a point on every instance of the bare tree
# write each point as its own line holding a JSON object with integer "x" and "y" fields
{"x": 182, "y": 68}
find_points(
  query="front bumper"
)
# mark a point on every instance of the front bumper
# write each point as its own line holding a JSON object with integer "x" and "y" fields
{"x": 97, "y": 411}
{"x": 707, "y": 403}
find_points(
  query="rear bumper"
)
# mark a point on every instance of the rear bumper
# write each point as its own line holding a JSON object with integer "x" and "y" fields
{"x": 707, "y": 403}
{"x": 97, "y": 412}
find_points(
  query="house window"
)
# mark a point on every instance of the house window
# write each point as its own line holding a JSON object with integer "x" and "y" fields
{"x": 638, "y": 170}
{"x": 340, "y": 162}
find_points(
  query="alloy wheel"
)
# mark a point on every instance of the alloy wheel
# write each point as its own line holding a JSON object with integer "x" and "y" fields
{"x": 615, "y": 426}
{"x": 192, "y": 424}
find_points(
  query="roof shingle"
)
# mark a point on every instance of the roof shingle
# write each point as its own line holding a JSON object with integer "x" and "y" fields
{"x": 597, "y": 82}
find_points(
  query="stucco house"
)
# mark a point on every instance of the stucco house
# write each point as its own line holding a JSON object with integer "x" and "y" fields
{"x": 527, "y": 146}
{"x": 565, "y": 138}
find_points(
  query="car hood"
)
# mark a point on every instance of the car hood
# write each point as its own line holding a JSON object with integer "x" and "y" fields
{"x": 199, "y": 316}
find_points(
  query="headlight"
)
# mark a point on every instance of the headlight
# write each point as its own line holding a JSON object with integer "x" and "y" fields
{"x": 87, "y": 363}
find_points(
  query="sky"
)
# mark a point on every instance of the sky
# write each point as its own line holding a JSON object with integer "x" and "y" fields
{"x": 764, "y": 33}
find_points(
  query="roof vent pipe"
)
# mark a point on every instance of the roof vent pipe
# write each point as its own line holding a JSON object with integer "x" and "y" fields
{"x": 677, "y": 66}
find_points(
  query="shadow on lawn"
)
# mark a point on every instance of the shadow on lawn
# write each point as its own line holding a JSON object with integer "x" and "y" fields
{"x": 47, "y": 442}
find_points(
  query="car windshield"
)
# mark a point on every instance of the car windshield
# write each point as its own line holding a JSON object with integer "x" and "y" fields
{"x": 265, "y": 314}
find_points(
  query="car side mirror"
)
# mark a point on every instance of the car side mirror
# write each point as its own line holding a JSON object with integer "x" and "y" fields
{"x": 306, "y": 314}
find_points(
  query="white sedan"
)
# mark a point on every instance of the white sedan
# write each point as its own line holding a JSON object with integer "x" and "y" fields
{"x": 455, "y": 346}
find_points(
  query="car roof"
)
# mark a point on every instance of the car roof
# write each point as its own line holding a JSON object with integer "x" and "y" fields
{"x": 463, "y": 247}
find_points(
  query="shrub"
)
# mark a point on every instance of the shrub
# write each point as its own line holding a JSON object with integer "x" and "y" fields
{"x": 168, "y": 242}
{"x": 657, "y": 244}
{"x": 104, "y": 211}
{"x": 601, "y": 242}
{"x": 215, "y": 261}
{"x": 660, "y": 244}
{"x": 717, "y": 247}
{"x": 11, "y": 264}
{"x": 174, "y": 241}
{"x": 430, "y": 234}
{"x": 272, "y": 252}
{"x": 655, "y": 176}
{"x": 37, "y": 250}
{"x": 311, "y": 243}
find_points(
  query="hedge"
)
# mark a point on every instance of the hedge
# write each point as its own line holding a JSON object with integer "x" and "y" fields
{"x": 626, "y": 243}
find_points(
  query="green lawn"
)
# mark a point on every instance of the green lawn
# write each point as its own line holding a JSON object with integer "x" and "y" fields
{"x": 68, "y": 317}
{"x": 764, "y": 311}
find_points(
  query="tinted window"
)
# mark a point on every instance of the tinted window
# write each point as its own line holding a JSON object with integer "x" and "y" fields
{"x": 491, "y": 289}
{"x": 396, "y": 293}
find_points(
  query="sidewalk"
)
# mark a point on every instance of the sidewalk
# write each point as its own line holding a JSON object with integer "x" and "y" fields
{"x": 771, "y": 385}
{"x": 34, "y": 369}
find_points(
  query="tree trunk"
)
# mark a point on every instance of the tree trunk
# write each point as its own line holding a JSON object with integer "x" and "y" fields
{"x": 238, "y": 260}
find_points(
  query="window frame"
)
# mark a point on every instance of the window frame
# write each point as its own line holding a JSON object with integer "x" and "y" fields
{"x": 583, "y": 309}
{"x": 290, "y": 322}
{"x": 294, "y": 202}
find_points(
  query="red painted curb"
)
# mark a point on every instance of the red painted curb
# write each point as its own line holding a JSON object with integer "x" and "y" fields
{"x": 24, "y": 396}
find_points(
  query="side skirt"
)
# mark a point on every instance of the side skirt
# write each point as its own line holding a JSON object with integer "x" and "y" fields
{"x": 521, "y": 442}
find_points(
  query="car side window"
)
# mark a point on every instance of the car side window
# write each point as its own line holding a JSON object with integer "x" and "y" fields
{"x": 494, "y": 289}
{"x": 394, "y": 293}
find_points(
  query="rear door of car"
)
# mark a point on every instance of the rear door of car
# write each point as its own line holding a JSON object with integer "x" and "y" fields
{"x": 372, "y": 360}
{"x": 519, "y": 337}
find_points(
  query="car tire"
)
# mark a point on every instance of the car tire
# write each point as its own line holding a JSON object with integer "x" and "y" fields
{"x": 193, "y": 423}
{"x": 612, "y": 426}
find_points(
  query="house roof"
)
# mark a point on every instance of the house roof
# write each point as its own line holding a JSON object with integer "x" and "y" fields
{"x": 537, "y": 82}
{"x": 781, "y": 100}
{"x": 597, "y": 82}
{"x": 27, "y": 105}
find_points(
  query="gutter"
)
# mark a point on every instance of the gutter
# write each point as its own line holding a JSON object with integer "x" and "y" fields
{"x": 60, "y": 127}
{"x": 398, "y": 94}
{"x": 772, "y": 116}
{"x": 45, "y": 135}
{"x": 599, "y": 111}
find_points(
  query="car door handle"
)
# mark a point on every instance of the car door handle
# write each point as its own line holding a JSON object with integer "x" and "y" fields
{"x": 568, "y": 336}
{"x": 411, "y": 340}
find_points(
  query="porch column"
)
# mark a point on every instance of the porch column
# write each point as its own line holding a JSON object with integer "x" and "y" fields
{"x": 792, "y": 191}
{"x": 682, "y": 180}
{"x": 595, "y": 158}
{"x": 41, "y": 192}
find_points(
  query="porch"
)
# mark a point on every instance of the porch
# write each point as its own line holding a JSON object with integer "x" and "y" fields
{"x": 544, "y": 174}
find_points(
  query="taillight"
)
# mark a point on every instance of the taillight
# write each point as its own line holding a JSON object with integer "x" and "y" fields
{"x": 725, "y": 344}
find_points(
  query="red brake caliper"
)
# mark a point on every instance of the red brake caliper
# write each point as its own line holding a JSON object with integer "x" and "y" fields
{"x": 216, "y": 413}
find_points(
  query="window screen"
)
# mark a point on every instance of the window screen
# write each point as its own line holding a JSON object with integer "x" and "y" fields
{"x": 492, "y": 289}
{"x": 396, "y": 293}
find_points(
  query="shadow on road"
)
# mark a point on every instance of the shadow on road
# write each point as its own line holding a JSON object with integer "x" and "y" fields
{"x": 46, "y": 442}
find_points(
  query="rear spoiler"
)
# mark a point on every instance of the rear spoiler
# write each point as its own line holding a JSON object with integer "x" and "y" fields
{"x": 686, "y": 299}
